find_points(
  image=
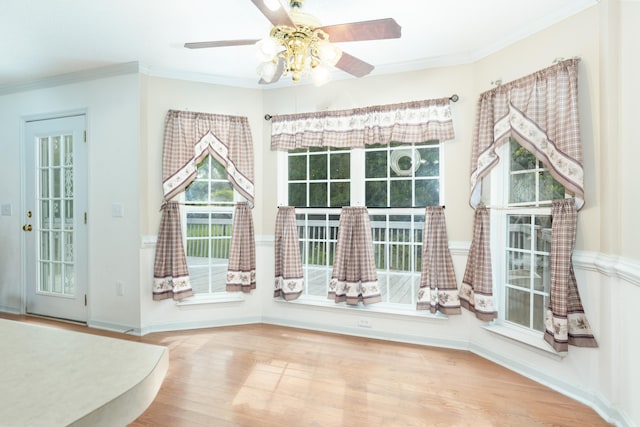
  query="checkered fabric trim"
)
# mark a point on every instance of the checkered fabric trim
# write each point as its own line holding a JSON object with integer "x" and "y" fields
{"x": 190, "y": 136}
{"x": 566, "y": 323}
{"x": 410, "y": 122}
{"x": 170, "y": 271}
{"x": 354, "y": 277}
{"x": 289, "y": 280}
{"x": 241, "y": 273}
{"x": 438, "y": 287}
{"x": 476, "y": 291}
{"x": 541, "y": 112}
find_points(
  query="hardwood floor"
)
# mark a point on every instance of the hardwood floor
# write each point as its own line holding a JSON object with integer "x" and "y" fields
{"x": 265, "y": 375}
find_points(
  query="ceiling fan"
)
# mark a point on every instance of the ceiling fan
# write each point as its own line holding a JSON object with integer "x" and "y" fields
{"x": 298, "y": 44}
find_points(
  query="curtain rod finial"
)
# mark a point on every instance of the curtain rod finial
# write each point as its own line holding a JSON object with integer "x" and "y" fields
{"x": 267, "y": 116}
{"x": 454, "y": 98}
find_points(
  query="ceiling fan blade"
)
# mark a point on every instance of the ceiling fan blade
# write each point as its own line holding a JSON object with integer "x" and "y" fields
{"x": 377, "y": 29}
{"x": 354, "y": 66}
{"x": 276, "y": 17}
{"x": 220, "y": 43}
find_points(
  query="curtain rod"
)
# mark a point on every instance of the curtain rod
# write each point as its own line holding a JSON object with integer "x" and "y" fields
{"x": 452, "y": 98}
{"x": 368, "y": 207}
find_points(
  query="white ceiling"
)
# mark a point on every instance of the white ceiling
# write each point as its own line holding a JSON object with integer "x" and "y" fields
{"x": 44, "y": 38}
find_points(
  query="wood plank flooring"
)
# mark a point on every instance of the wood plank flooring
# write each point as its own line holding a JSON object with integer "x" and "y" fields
{"x": 265, "y": 375}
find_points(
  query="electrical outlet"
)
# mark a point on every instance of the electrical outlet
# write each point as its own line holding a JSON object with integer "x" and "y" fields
{"x": 119, "y": 288}
{"x": 364, "y": 323}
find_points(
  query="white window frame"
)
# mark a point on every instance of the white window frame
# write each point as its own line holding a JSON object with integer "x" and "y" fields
{"x": 222, "y": 208}
{"x": 357, "y": 197}
{"x": 497, "y": 192}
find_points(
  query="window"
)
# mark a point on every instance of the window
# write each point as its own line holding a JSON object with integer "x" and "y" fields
{"x": 208, "y": 209}
{"x": 524, "y": 235}
{"x": 394, "y": 181}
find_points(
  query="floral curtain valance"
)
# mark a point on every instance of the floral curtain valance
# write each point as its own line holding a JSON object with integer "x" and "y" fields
{"x": 540, "y": 111}
{"x": 190, "y": 136}
{"x": 410, "y": 122}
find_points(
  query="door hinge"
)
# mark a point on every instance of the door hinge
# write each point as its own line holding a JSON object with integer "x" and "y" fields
{"x": 85, "y": 300}
{"x": 85, "y": 136}
{"x": 85, "y": 217}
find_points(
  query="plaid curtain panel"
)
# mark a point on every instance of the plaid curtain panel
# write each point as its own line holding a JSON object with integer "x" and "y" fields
{"x": 565, "y": 322}
{"x": 410, "y": 122}
{"x": 476, "y": 291}
{"x": 241, "y": 274}
{"x": 541, "y": 112}
{"x": 170, "y": 272}
{"x": 438, "y": 287}
{"x": 289, "y": 280}
{"x": 354, "y": 277}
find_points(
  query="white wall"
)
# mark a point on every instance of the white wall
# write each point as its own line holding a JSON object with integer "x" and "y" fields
{"x": 112, "y": 106}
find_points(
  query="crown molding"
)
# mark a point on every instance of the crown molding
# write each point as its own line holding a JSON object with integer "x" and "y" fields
{"x": 69, "y": 78}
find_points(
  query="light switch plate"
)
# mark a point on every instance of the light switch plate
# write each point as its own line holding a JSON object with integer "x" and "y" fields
{"x": 117, "y": 211}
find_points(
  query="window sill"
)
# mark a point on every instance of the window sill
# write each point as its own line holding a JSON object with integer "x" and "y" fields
{"x": 527, "y": 338}
{"x": 215, "y": 298}
{"x": 381, "y": 307}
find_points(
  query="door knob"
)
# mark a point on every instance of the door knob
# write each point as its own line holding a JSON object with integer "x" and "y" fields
{"x": 27, "y": 227}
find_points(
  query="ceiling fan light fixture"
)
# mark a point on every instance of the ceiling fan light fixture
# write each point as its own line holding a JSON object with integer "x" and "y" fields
{"x": 329, "y": 53}
{"x": 267, "y": 70}
{"x": 320, "y": 75}
{"x": 268, "y": 48}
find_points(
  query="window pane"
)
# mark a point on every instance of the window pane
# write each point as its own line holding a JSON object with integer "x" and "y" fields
{"x": 44, "y": 246}
{"x": 518, "y": 273}
{"x": 298, "y": 194}
{"x": 340, "y": 195}
{"x": 550, "y": 189}
{"x": 197, "y": 225}
{"x": 429, "y": 162}
{"x": 400, "y": 192}
{"x": 57, "y": 181}
{"x": 403, "y": 161}
{"x": 375, "y": 164}
{"x": 340, "y": 166}
{"x": 427, "y": 192}
{"x": 522, "y": 188}
{"x": 318, "y": 194}
{"x": 197, "y": 191}
{"x": 203, "y": 169}
{"x": 400, "y": 288}
{"x": 539, "y": 311}
{"x": 543, "y": 233}
{"x": 217, "y": 170}
{"x": 376, "y": 193}
{"x": 519, "y": 232}
{"x": 318, "y": 166}
{"x": 44, "y": 182}
{"x": 541, "y": 279}
{"x": 221, "y": 192}
{"x": 518, "y": 307}
{"x": 521, "y": 159}
{"x": 297, "y": 168}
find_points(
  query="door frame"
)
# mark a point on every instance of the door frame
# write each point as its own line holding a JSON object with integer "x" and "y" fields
{"x": 24, "y": 119}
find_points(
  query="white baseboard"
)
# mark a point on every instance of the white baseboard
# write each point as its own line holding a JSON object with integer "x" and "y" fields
{"x": 182, "y": 326}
